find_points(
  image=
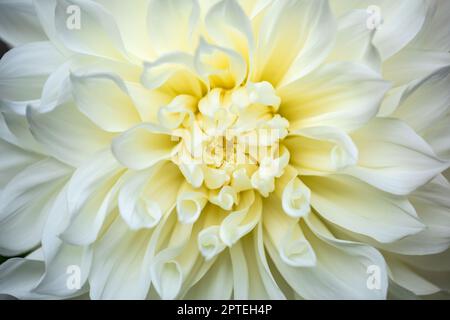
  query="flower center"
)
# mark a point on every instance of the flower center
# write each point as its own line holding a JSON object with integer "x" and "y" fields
{"x": 230, "y": 139}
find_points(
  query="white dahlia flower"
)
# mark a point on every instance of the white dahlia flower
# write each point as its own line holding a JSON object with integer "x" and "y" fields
{"x": 233, "y": 149}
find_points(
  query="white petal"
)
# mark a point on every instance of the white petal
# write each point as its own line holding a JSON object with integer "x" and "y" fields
{"x": 341, "y": 271}
{"x": 98, "y": 34}
{"x": 435, "y": 33}
{"x": 190, "y": 203}
{"x": 286, "y": 235}
{"x": 209, "y": 61}
{"x": 176, "y": 72}
{"x": 21, "y": 78}
{"x": 171, "y": 267}
{"x": 19, "y": 276}
{"x": 18, "y": 23}
{"x": 404, "y": 276}
{"x": 114, "y": 111}
{"x": 67, "y": 134}
{"x": 412, "y": 64}
{"x": 120, "y": 269}
{"x": 401, "y": 21}
{"x": 294, "y": 194}
{"x": 243, "y": 219}
{"x": 216, "y": 284}
{"x": 148, "y": 195}
{"x": 393, "y": 157}
{"x": 143, "y": 146}
{"x": 172, "y": 25}
{"x": 59, "y": 256}
{"x": 354, "y": 41}
{"x": 426, "y": 101}
{"x": 229, "y": 26}
{"x": 321, "y": 150}
{"x": 132, "y": 23}
{"x": 13, "y": 161}
{"x": 344, "y": 95}
{"x": 91, "y": 197}
{"x": 363, "y": 209}
{"x": 24, "y": 205}
{"x": 294, "y": 38}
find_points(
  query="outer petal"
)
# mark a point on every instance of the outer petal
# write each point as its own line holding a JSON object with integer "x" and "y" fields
{"x": 91, "y": 197}
{"x": 393, "y": 157}
{"x": 119, "y": 269}
{"x": 363, "y": 209}
{"x": 21, "y": 78}
{"x": 216, "y": 284}
{"x": 354, "y": 41}
{"x": 149, "y": 195}
{"x": 60, "y": 256}
{"x": 402, "y": 20}
{"x": 230, "y": 27}
{"x": 18, "y": 23}
{"x": 113, "y": 112}
{"x": 294, "y": 38}
{"x": 341, "y": 271}
{"x": 344, "y": 95}
{"x": 13, "y": 161}
{"x": 18, "y": 277}
{"x": 172, "y": 25}
{"x": 98, "y": 34}
{"x": 143, "y": 146}
{"x": 67, "y": 134}
{"x": 426, "y": 102}
{"x": 132, "y": 22}
{"x": 24, "y": 205}
{"x": 321, "y": 150}
{"x": 407, "y": 278}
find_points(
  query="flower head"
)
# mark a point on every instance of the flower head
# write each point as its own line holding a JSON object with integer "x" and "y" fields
{"x": 224, "y": 149}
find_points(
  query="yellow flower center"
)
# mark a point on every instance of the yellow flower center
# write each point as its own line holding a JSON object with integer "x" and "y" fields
{"x": 230, "y": 139}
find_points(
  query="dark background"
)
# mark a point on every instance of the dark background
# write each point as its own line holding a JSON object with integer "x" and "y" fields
{"x": 3, "y": 48}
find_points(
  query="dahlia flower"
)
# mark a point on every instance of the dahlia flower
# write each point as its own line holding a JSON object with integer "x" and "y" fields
{"x": 232, "y": 149}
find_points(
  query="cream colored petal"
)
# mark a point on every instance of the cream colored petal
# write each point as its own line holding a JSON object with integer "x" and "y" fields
{"x": 98, "y": 34}
{"x": 91, "y": 198}
{"x": 114, "y": 112}
{"x": 403, "y": 275}
{"x": 13, "y": 161}
{"x": 243, "y": 219}
{"x": 321, "y": 150}
{"x": 148, "y": 195}
{"x": 363, "y": 209}
{"x": 21, "y": 78}
{"x": 286, "y": 235}
{"x": 25, "y": 202}
{"x": 294, "y": 194}
{"x": 143, "y": 146}
{"x": 344, "y": 95}
{"x": 354, "y": 41}
{"x": 426, "y": 101}
{"x": 67, "y": 134}
{"x": 175, "y": 73}
{"x": 294, "y": 38}
{"x": 18, "y": 23}
{"x": 190, "y": 203}
{"x": 341, "y": 270}
{"x": 229, "y": 26}
{"x": 401, "y": 21}
{"x": 172, "y": 25}
{"x": 119, "y": 268}
{"x": 393, "y": 158}
{"x": 217, "y": 283}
